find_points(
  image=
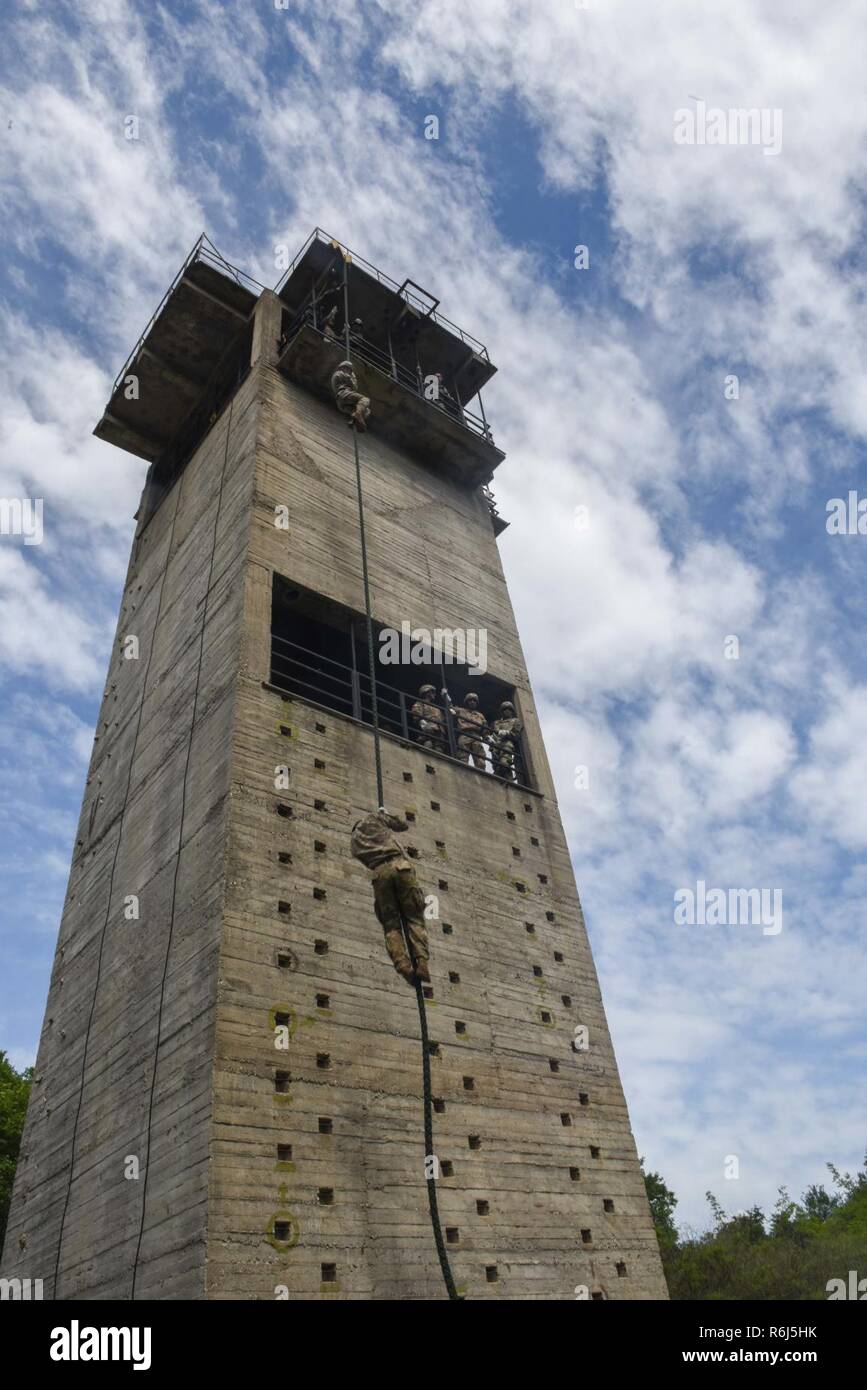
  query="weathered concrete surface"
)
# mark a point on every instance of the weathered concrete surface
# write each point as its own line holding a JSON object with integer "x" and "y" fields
{"x": 348, "y": 1182}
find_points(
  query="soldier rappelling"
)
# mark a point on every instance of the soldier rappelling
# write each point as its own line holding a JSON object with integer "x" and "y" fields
{"x": 344, "y": 388}
{"x": 396, "y": 893}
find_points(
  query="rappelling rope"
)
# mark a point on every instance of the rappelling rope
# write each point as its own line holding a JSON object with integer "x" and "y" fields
{"x": 419, "y": 992}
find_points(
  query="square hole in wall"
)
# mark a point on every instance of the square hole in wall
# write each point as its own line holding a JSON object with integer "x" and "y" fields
{"x": 323, "y": 1061}
{"x": 575, "y": 1174}
{"x": 586, "y": 1237}
{"x": 319, "y": 846}
{"x": 474, "y": 1141}
{"x": 439, "y": 1105}
{"x": 545, "y": 1016}
{"x": 448, "y": 929}
{"x": 410, "y": 817}
{"x": 453, "y": 1235}
{"x": 412, "y": 852}
{"x": 483, "y": 1208}
{"x": 454, "y": 977}
{"x": 281, "y": 1082}
{"x": 440, "y": 844}
{"x": 428, "y": 768}
{"x": 407, "y": 777}
{"x": 492, "y": 1274}
{"x": 284, "y": 810}
{"x": 583, "y": 1098}
{"x": 320, "y": 728}
{"x": 282, "y": 1230}
{"x": 543, "y": 878}
{"x": 565, "y": 1119}
{"x": 621, "y": 1269}
{"x": 326, "y": 1125}
{"x": 534, "y": 841}
{"x": 444, "y": 885}
{"x": 329, "y": 1274}
{"x": 427, "y": 991}
{"x": 516, "y": 853}
{"x": 284, "y": 907}
{"x": 434, "y": 1049}
{"x": 598, "y": 1296}
{"x": 519, "y": 886}
{"x": 286, "y": 730}
{"x": 510, "y": 815}
{"x": 549, "y": 916}
{"x": 284, "y": 960}
{"x": 558, "y": 956}
{"x": 319, "y": 806}
{"x": 281, "y": 1018}
{"x": 447, "y": 1168}
{"x": 530, "y": 928}
{"x": 469, "y": 1083}
{"x": 320, "y": 894}
{"x": 553, "y": 1064}
{"x": 594, "y": 1151}
{"x": 537, "y": 970}
{"x": 435, "y": 806}
{"x": 320, "y": 947}
{"x": 325, "y": 1196}
{"x": 284, "y": 856}
{"x": 323, "y": 1001}
{"x": 460, "y": 1026}
{"x": 527, "y": 806}
{"x": 607, "y": 1204}
{"x": 567, "y": 1000}
{"x": 319, "y": 764}
{"x": 284, "y": 1153}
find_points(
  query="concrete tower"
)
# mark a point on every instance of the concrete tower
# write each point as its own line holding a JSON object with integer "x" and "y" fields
{"x": 228, "y": 1092}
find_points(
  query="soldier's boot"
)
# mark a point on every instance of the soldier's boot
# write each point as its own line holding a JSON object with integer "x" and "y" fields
{"x": 396, "y": 947}
{"x": 359, "y": 415}
{"x": 421, "y": 972}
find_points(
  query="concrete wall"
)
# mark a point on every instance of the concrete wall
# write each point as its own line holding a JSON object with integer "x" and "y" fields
{"x": 187, "y": 746}
{"x": 151, "y": 787}
{"x": 433, "y": 561}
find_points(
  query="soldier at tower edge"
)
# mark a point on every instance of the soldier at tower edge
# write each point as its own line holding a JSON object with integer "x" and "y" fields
{"x": 397, "y": 896}
{"x": 344, "y": 388}
{"x": 506, "y": 731}
{"x": 329, "y": 329}
{"x": 428, "y": 719}
{"x": 470, "y": 725}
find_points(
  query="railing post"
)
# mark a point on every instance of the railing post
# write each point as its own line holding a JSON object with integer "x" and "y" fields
{"x": 403, "y": 719}
{"x": 357, "y": 712}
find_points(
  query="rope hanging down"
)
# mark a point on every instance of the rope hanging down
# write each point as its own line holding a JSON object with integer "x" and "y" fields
{"x": 380, "y": 801}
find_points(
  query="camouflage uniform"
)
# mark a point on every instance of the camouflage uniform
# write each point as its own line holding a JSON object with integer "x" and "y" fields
{"x": 471, "y": 724}
{"x": 328, "y": 328}
{"x": 344, "y": 388}
{"x": 424, "y": 710}
{"x": 397, "y": 896}
{"x": 506, "y": 732}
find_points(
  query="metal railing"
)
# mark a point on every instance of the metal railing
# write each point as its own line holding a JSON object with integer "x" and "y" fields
{"x": 320, "y": 680}
{"x": 203, "y": 250}
{"x": 318, "y": 234}
{"x": 380, "y": 359}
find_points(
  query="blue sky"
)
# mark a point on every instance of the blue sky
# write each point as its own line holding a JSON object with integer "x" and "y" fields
{"x": 706, "y": 515}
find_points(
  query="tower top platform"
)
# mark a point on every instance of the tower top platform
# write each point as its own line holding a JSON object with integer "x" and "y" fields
{"x": 419, "y": 369}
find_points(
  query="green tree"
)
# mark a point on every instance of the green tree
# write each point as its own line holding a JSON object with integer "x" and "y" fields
{"x": 662, "y": 1204}
{"x": 14, "y": 1090}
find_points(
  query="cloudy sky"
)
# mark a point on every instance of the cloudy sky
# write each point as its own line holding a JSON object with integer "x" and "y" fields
{"x": 676, "y": 416}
